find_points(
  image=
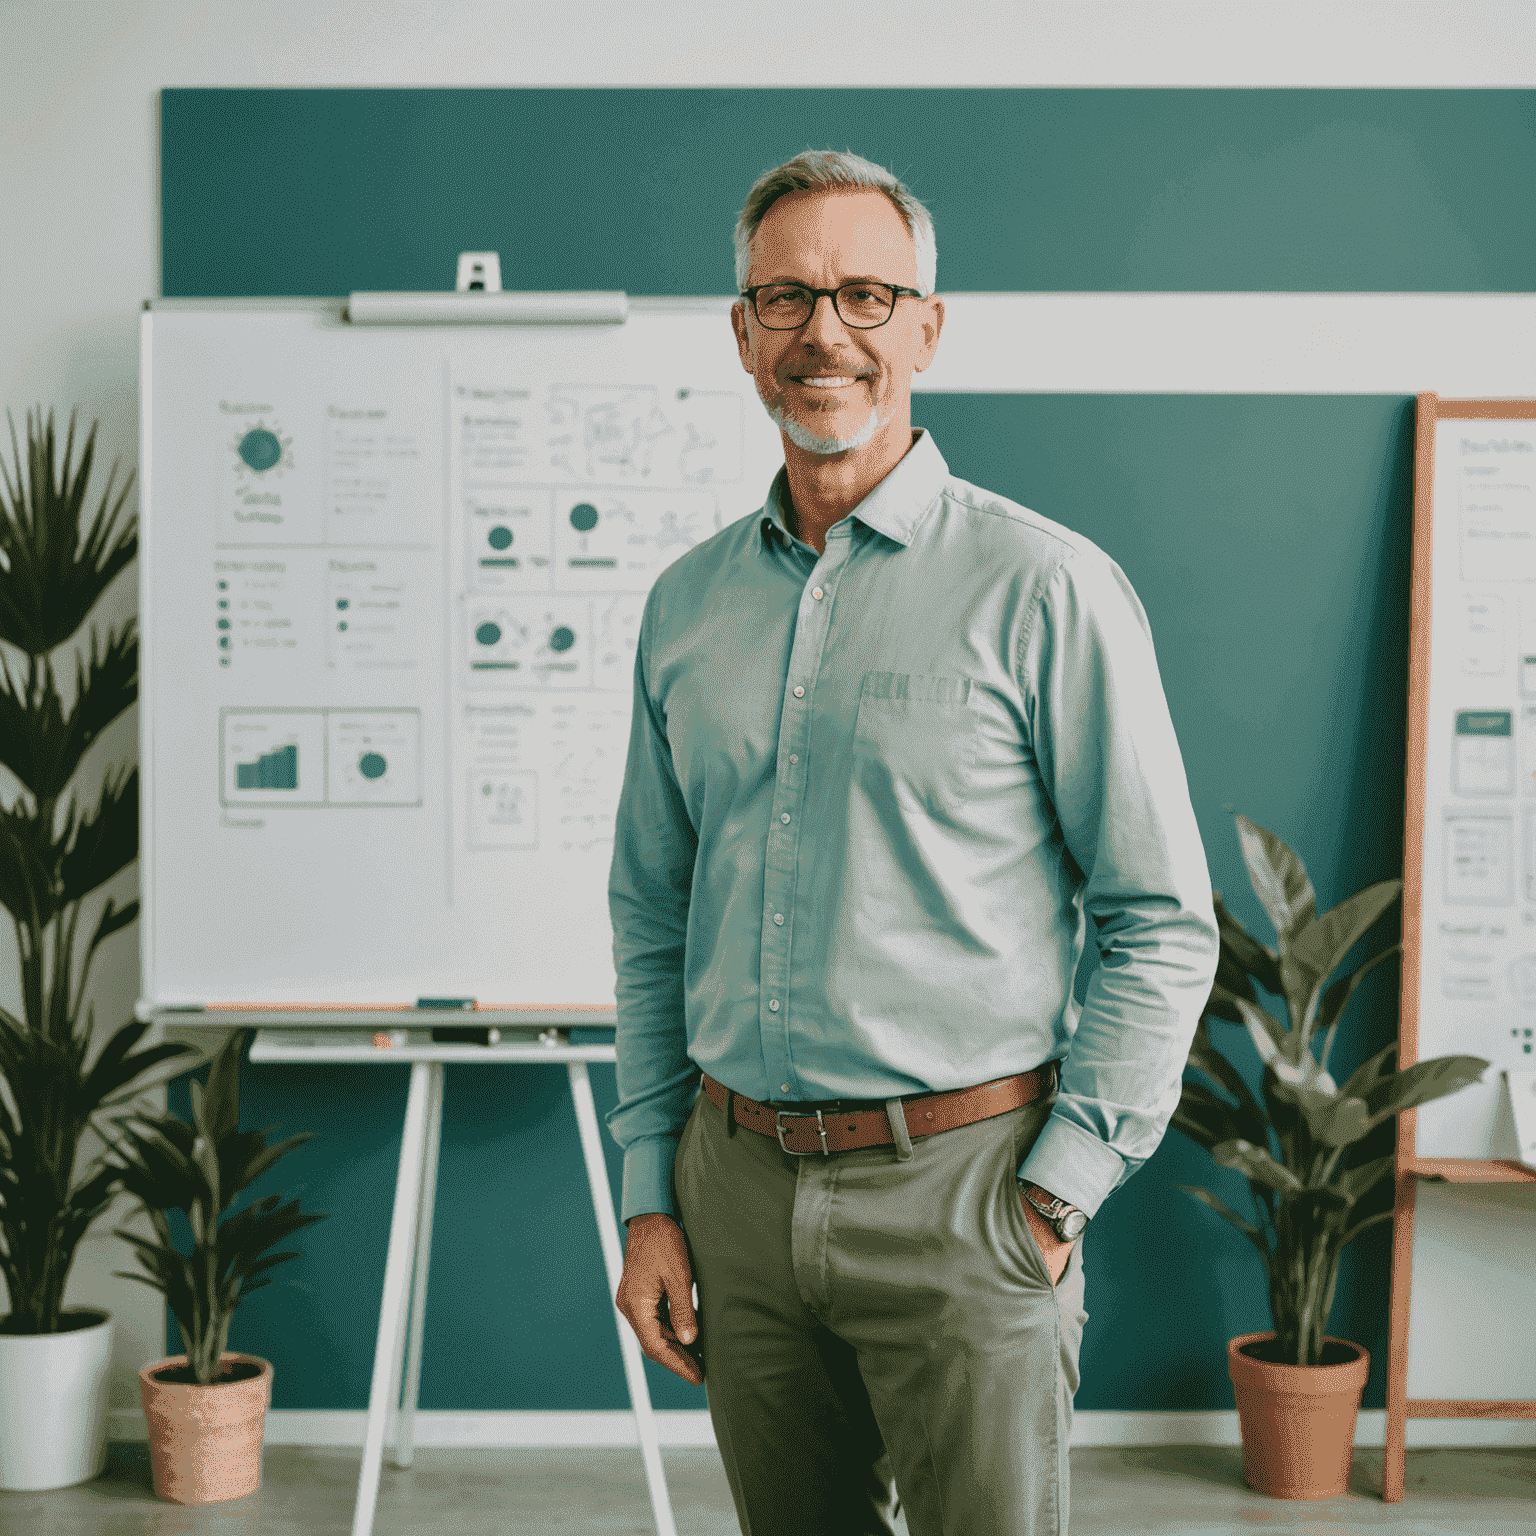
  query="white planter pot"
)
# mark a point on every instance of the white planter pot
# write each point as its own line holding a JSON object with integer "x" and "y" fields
{"x": 53, "y": 1403}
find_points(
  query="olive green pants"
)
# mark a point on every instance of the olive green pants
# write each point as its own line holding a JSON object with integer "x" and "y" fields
{"x": 879, "y": 1331}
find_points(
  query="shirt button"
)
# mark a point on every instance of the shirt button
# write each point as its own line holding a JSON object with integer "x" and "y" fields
{"x": 785, "y": 818}
{"x": 773, "y": 1005}
{"x": 816, "y": 593}
{"x": 799, "y": 693}
{"x": 783, "y": 1087}
{"x": 794, "y": 757}
{"x": 778, "y": 917}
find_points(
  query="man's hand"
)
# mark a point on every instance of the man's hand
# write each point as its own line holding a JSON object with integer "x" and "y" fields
{"x": 656, "y": 1293}
{"x": 1055, "y": 1250}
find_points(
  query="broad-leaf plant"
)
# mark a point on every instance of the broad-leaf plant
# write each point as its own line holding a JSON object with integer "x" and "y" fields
{"x": 199, "y": 1169}
{"x": 54, "y": 853}
{"x": 1293, "y": 1148}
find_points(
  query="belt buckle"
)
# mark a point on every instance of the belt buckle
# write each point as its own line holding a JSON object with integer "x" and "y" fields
{"x": 799, "y": 1114}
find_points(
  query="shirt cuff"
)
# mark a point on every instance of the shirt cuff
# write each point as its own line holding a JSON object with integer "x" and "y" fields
{"x": 1073, "y": 1164}
{"x": 648, "y": 1177}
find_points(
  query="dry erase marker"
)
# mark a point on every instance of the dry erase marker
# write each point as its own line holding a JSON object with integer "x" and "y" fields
{"x": 386, "y": 1039}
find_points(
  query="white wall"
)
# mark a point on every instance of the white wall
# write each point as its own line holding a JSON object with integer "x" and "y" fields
{"x": 79, "y": 153}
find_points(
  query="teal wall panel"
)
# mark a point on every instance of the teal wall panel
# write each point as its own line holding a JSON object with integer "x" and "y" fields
{"x": 1268, "y": 537}
{"x": 327, "y": 191}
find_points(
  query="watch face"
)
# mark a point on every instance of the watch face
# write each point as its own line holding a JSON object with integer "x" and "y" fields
{"x": 1073, "y": 1223}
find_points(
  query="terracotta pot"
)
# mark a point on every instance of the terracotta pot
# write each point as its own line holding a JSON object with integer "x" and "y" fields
{"x": 205, "y": 1441}
{"x": 1297, "y": 1421}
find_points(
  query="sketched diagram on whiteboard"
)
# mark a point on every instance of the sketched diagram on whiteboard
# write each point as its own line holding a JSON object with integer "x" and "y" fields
{"x": 1497, "y": 525}
{"x": 260, "y": 460}
{"x": 319, "y": 757}
{"x": 615, "y": 434}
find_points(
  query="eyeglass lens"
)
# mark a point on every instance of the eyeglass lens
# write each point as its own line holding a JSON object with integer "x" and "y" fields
{"x": 787, "y": 306}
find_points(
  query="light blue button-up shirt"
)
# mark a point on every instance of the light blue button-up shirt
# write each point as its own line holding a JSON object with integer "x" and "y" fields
{"x": 871, "y": 798}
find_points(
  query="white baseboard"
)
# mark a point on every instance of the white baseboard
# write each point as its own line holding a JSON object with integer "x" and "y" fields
{"x": 692, "y": 1428}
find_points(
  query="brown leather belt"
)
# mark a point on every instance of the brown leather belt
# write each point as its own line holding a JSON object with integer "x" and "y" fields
{"x": 828, "y": 1128}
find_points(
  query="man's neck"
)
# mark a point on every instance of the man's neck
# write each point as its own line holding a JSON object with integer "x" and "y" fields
{"x": 825, "y": 488}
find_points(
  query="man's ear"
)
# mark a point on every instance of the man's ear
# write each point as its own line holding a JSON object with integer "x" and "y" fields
{"x": 743, "y": 339}
{"x": 931, "y": 319}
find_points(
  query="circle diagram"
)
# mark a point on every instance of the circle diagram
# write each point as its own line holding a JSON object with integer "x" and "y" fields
{"x": 500, "y": 537}
{"x": 562, "y": 638}
{"x": 583, "y": 517}
{"x": 488, "y": 633}
{"x": 260, "y": 449}
{"x": 372, "y": 765}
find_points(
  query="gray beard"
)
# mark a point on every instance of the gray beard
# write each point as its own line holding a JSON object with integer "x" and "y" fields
{"x": 812, "y": 442}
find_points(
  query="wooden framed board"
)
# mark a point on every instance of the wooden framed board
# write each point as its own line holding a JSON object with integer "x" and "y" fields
{"x": 1469, "y": 896}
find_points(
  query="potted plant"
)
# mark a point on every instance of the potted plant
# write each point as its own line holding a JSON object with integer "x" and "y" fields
{"x": 1298, "y": 1388}
{"x": 54, "y": 1361}
{"x": 206, "y": 1408}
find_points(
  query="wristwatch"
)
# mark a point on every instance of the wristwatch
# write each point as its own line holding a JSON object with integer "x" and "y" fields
{"x": 1067, "y": 1220}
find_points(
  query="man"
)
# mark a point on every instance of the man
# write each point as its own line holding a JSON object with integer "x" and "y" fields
{"x": 894, "y": 739}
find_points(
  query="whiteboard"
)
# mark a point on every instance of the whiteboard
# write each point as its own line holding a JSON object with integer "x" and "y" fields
{"x": 1470, "y": 914}
{"x": 392, "y": 578}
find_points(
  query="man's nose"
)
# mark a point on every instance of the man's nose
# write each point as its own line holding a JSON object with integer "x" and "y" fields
{"x": 823, "y": 321}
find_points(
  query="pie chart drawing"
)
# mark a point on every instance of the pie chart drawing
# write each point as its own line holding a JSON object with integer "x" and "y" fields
{"x": 260, "y": 449}
{"x": 583, "y": 517}
{"x": 500, "y": 537}
{"x": 562, "y": 638}
{"x": 372, "y": 765}
{"x": 488, "y": 633}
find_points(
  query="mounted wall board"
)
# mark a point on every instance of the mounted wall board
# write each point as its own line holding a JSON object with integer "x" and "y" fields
{"x": 391, "y": 582}
{"x": 1469, "y": 904}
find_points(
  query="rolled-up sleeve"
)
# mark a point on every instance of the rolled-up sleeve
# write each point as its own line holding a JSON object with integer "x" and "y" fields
{"x": 654, "y": 849}
{"x": 1109, "y": 761}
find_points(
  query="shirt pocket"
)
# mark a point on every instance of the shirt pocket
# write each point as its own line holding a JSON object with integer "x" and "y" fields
{"x": 915, "y": 736}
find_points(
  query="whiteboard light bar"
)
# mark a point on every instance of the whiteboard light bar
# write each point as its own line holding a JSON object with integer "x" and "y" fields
{"x": 477, "y": 308}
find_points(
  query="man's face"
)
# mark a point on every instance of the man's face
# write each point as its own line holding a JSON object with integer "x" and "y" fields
{"x": 830, "y": 387}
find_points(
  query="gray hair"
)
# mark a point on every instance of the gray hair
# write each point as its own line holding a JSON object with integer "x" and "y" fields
{"x": 831, "y": 168}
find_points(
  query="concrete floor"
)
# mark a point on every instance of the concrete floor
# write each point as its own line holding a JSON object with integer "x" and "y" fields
{"x": 1167, "y": 1490}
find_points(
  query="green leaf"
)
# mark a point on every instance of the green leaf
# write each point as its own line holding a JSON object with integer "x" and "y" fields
{"x": 114, "y": 1067}
{"x": 1333, "y": 1119}
{"x": 1423, "y": 1081}
{"x": 221, "y": 1105}
{"x": 1251, "y": 1232}
{"x": 1270, "y": 1037}
{"x": 1257, "y": 1165}
{"x": 1318, "y": 948}
{"x": 107, "y": 841}
{"x": 1369, "y": 1073}
{"x": 56, "y": 573}
{"x": 1280, "y": 880}
{"x": 1241, "y": 952}
{"x": 1204, "y": 1057}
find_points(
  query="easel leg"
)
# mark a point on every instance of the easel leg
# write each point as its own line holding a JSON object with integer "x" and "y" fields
{"x": 407, "y": 1421}
{"x": 1395, "y": 1456}
{"x": 387, "y": 1353}
{"x": 613, "y": 1261}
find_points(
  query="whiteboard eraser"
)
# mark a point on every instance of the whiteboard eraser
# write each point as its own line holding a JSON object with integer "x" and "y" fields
{"x": 477, "y": 308}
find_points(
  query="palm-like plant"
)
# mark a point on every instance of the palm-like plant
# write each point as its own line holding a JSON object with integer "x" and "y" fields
{"x": 199, "y": 1169}
{"x": 53, "y": 856}
{"x": 1292, "y": 1147}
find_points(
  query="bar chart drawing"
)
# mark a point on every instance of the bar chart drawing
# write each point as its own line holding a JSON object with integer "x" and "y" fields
{"x": 271, "y": 770}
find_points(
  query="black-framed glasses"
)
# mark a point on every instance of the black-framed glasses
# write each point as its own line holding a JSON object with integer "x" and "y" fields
{"x": 787, "y": 306}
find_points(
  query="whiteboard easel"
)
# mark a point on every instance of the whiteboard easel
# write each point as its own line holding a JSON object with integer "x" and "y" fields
{"x": 1412, "y": 1167}
{"x": 391, "y": 1404}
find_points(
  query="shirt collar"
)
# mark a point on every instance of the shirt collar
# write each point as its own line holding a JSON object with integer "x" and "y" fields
{"x": 896, "y": 507}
